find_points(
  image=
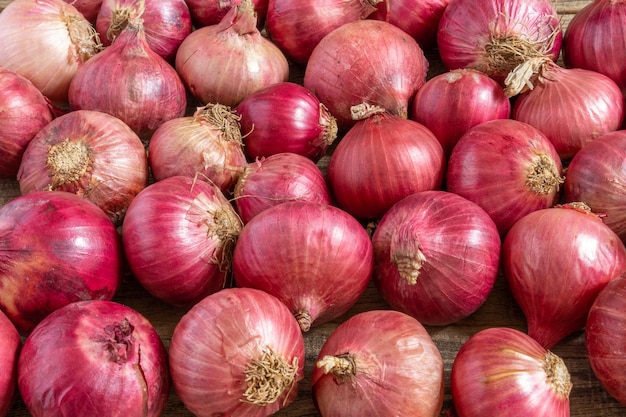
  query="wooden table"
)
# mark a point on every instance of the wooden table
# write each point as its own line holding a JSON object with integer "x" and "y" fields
{"x": 588, "y": 398}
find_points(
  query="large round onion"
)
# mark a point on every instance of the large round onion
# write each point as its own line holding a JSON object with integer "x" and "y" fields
{"x": 94, "y": 358}
{"x": 238, "y": 352}
{"x": 379, "y": 363}
{"x": 10, "y": 346}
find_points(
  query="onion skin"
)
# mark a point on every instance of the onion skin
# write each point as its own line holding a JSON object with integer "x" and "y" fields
{"x": 508, "y": 168}
{"x": 437, "y": 256}
{"x": 211, "y": 354}
{"x": 605, "y": 338}
{"x": 10, "y": 346}
{"x": 67, "y": 247}
{"x": 178, "y": 236}
{"x": 316, "y": 258}
{"x": 555, "y": 262}
{"x": 504, "y": 372}
{"x": 94, "y": 358}
{"x": 396, "y": 368}
{"x": 90, "y": 154}
{"x": 211, "y": 12}
{"x": 88, "y": 8}
{"x": 25, "y": 111}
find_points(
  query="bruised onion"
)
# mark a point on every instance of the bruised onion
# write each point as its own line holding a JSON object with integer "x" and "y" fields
{"x": 88, "y": 153}
{"x": 211, "y": 12}
{"x": 379, "y": 363}
{"x": 56, "y": 248}
{"x": 94, "y": 358}
{"x": 556, "y": 261}
{"x": 10, "y": 346}
{"x": 238, "y": 352}
{"x": 503, "y": 372}
{"x": 315, "y": 258}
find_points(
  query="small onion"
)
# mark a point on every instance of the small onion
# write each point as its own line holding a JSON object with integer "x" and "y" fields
{"x": 556, "y": 261}
{"x": 88, "y": 153}
{"x": 277, "y": 179}
{"x": 315, "y": 258}
{"x": 94, "y": 358}
{"x": 508, "y": 168}
{"x": 211, "y": 12}
{"x": 10, "y": 346}
{"x": 56, "y": 248}
{"x": 437, "y": 256}
{"x": 379, "y": 363}
{"x": 25, "y": 111}
{"x": 238, "y": 352}
{"x": 503, "y": 372}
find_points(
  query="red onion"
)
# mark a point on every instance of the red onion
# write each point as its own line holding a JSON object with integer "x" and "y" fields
{"x": 508, "y": 168}
{"x": 379, "y": 363}
{"x": 277, "y": 179}
{"x": 297, "y": 27}
{"x": 211, "y": 12}
{"x": 366, "y": 61}
{"x": 94, "y": 358}
{"x": 178, "y": 238}
{"x": 10, "y": 346}
{"x": 166, "y": 23}
{"x": 88, "y": 8}
{"x": 25, "y": 111}
{"x": 286, "y": 117}
{"x": 451, "y": 103}
{"x": 207, "y": 144}
{"x": 131, "y": 82}
{"x": 315, "y": 258}
{"x": 382, "y": 159}
{"x": 605, "y": 338}
{"x": 66, "y": 246}
{"x": 596, "y": 176}
{"x": 49, "y": 41}
{"x": 250, "y": 366}
{"x": 239, "y": 59}
{"x": 436, "y": 256}
{"x": 495, "y": 36}
{"x": 503, "y": 372}
{"x": 88, "y": 153}
{"x": 556, "y": 261}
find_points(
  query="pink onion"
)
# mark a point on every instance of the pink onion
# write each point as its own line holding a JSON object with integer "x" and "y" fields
{"x": 46, "y": 41}
{"x": 508, "y": 168}
{"x": 88, "y": 153}
{"x": 437, "y": 256}
{"x": 379, "y": 363}
{"x": 178, "y": 238}
{"x": 238, "y": 352}
{"x": 210, "y": 12}
{"x": 605, "y": 338}
{"x": 25, "y": 111}
{"x": 207, "y": 144}
{"x": 314, "y": 257}
{"x": 556, "y": 261}
{"x": 366, "y": 61}
{"x": 10, "y": 346}
{"x": 56, "y": 248}
{"x": 88, "y": 8}
{"x": 451, "y": 103}
{"x": 277, "y": 179}
{"x": 238, "y": 57}
{"x": 503, "y": 372}
{"x": 382, "y": 159}
{"x": 94, "y": 358}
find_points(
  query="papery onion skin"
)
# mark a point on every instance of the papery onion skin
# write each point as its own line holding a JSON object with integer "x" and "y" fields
{"x": 88, "y": 153}
{"x": 397, "y": 368}
{"x": 56, "y": 248}
{"x": 46, "y": 41}
{"x": 437, "y": 256}
{"x": 206, "y": 13}
{"x": 366, "y": 61}
{"x": 605, "y": 339}
{"x": 504, "y": 372}
{"x": 556, "y": 261}
{"x": 25, "y": 111}
{"x": 507, "y": 167}
{"x": 277, "y": 179}
{"x": 315, "y": 258}
{"x": 451, "y": 103}
{"x": 94, "y": 358}
{"x": 211, "y": 354}
{"x": 285, "y": 117}
{"x": 88, "y": 8}
{"x": 10, "y": 346}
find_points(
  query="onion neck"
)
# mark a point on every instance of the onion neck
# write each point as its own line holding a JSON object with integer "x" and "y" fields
{"x": 124, "y": 16}
{"x": 329, "y": 124}
{"x": 342, "y": 367}
{"x": 83, "y": 36}
{"x": 365, "y": 110}
{"x": 118, "y": 340}
{"x": 405, "y": 252}
{"x": 268, "y": 377}
{"x": 226, "y": 227}
{"x": 304, "y": 320}
{"x": 222, "y": 117}
{"x": 557, "y": 374}
{"x": 69, "y": 163}
{"x": 543, "y": 175}
{"x": 241, "y": 19}
{"x": 370, "y": 6}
